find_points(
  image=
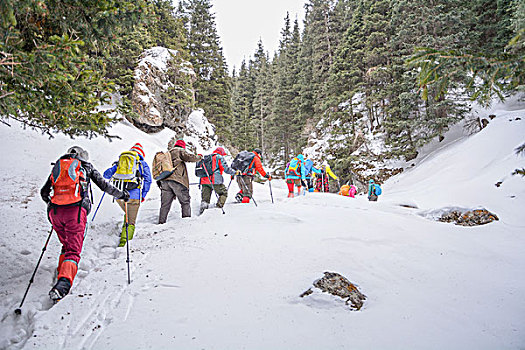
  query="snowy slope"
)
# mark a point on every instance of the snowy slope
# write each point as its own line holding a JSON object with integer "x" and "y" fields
{"x": 233, "y": 281}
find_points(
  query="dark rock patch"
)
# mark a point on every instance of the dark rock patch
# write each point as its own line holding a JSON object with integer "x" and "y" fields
{"x": 475, "y": 217}
{"x": 335, "y": 284}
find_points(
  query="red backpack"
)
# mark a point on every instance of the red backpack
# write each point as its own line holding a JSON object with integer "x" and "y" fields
{"x": 68, "y": 180}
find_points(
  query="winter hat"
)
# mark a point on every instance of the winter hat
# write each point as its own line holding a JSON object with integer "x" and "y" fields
{"x": 371, "y": 181}
{"x": 180, "y": 143}
{"x": 258, "y": 151}
{"x": 80, "y": 152}
{"x": 138, "y": 148}
{"x": 220, "y": 151}
{"x": 300, "y": 156}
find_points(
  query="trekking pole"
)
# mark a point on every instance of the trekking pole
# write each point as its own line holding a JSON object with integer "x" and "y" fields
{"x": 230, "y": 183}
{"x": 211, "y": 184}
{"x": 19, "y": 310}
{"x": 245, "y": 187}
{"x": 271, "y": 193}
{"x": 98, "y": 206}
{"x": 127, "y": 241}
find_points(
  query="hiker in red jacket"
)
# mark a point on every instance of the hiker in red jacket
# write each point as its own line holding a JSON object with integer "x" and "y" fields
{"x": 215, "y": 181}
{"x": 245, "y": 180}
{"x": 68, "y": 208}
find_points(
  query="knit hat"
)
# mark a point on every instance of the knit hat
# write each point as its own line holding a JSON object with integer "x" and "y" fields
{"x": 180, "y": 143}
{"x": 220, "y": 151}
{"x": 138, "y": 148}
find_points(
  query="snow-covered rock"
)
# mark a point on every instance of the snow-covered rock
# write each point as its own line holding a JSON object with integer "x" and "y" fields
{"x": 162, "y": 95}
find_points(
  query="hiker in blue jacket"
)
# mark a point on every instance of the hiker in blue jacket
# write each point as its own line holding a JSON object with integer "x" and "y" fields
{"x": 309, "y": 169}
{"x": 372, "y": 196}
{"x": 295, "y": 173}
{"x": 136, "y": 195}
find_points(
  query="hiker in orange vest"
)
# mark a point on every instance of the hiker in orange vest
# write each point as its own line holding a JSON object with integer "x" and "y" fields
{"x": 68, "y": 209}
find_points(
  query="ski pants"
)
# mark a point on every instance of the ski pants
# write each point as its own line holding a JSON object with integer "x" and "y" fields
{"x": 169, "y": 190}
{"x": 291, "y": 182}
{"x": 133, "y": 209}
{"x": 246, "y": 185}
{"x": 220, "y": 189}
{"x": 70, "y": 231}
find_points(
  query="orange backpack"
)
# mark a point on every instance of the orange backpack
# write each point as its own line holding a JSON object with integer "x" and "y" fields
{"x": 69, "y": 182}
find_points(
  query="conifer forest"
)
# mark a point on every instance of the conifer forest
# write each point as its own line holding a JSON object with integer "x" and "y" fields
{"x": 405, "y": 69}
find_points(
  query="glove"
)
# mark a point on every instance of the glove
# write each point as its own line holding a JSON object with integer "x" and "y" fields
{"x": 237, "y": 173}
{"x": 125, "y": 197}
{"x": 268, "y": 176}
{"x": 143, "y": 199}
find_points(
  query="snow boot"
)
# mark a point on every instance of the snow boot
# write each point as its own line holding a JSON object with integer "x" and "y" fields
{"x": 290, "y": 195}
{"x": 203, "y": 207}
{"x": 238, "y": 197}
{"x": 131, "y": 231}
{"x": 60, "y": 290}
{"x": 245, "y": 199}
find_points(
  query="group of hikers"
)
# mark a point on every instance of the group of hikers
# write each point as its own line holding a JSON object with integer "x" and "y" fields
{"x": 301, "y": 173}
{"x": 129, "y": 179}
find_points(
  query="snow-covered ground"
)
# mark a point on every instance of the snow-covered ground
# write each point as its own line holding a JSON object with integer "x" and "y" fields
{"x": 233, "y": 281}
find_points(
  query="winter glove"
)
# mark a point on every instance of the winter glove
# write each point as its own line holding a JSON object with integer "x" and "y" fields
{"x": 143, "y": 199}
{"x": 268, "y": 176}
{"x": 125, "y": 197}
{"x": 237, "y": 173}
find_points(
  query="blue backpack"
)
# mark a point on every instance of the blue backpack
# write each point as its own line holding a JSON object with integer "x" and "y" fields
{"x": 295, "y": 167}
{"x": 377, "y": 189}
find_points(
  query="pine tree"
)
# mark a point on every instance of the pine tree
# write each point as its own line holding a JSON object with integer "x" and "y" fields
{"x": 51, "y": 64}
{"x": 213, "y": 89}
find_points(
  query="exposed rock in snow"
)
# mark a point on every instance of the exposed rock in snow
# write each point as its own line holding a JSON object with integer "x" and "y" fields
{"x": 335, "y": 284}
{"x": 162, "y": 95}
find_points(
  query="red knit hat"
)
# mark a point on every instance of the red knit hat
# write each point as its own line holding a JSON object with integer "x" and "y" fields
{"x": 180, "y": 143}
{"x": 220, "y": 151}
{"x": 138, "y": 148}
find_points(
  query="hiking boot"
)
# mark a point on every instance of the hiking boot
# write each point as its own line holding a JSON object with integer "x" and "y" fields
{"x": 60, "y": 290}
{"x": 238, "y": 197}
{"x": 203, "y": 207}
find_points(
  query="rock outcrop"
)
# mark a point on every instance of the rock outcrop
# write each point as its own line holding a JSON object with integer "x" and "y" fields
{"x": 163, "y": 94}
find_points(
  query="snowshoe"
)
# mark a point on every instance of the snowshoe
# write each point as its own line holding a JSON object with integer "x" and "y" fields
{"x": 60, "y": 290}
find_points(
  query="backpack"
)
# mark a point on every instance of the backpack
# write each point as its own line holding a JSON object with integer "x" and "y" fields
{"x": 69, "y": 181}
{"x": 377, "y": 190}
{"x": 295, "y": 167}
{"x": 162, "y": 166}
{"x": 242, "y": 161}
{"x": 204, "y": 167}
{"x": 128, "y": 175}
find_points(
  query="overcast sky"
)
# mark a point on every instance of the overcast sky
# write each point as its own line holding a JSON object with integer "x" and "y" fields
{"x": 240, "y": 24}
